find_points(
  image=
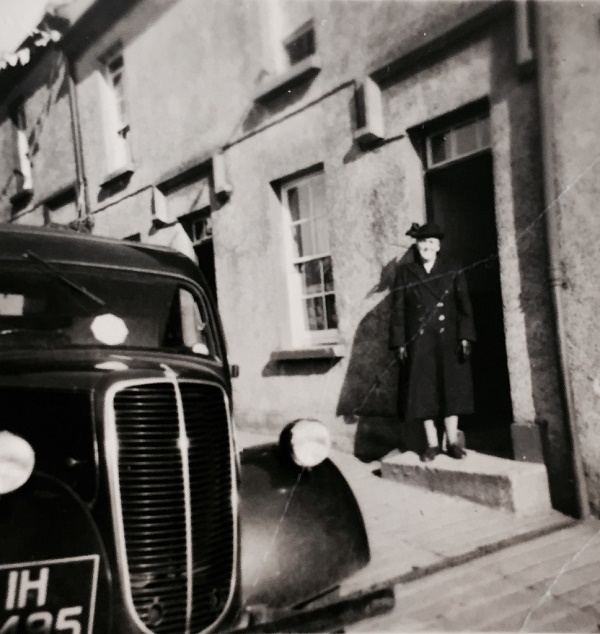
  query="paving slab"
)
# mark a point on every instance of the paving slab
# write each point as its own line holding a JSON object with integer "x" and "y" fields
{"x": 486, "y": 595}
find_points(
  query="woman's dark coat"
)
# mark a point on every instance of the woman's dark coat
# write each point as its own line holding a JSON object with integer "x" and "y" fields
{"x": 431, "y": 314}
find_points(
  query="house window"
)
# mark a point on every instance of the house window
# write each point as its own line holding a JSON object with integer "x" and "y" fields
{"x": 200, "y": 230}
{"x": 313, "y": 286}
{"x": 22, "y": 170}
{"x": 301, "y": 43}
{"x": 117, "y": 124}
{"x": 459, "y": 141}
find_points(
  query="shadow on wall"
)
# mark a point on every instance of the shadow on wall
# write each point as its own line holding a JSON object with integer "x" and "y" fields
{"x": 370, "y": 397}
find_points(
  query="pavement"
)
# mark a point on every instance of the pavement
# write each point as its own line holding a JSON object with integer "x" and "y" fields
{"x": 548, "y": 584}
{"x": 457, "y": 565}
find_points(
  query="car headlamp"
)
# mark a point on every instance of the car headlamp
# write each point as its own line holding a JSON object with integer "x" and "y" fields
{"x": 306, "y": 441}
{"x": 17, "y": 459}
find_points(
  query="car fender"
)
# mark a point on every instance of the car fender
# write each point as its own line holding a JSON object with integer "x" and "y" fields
{"x": 302, "y": 530}
{"x": 53, "y": 568}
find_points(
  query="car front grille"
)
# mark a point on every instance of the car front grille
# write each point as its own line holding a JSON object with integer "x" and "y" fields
{"x": 173, "y": 479}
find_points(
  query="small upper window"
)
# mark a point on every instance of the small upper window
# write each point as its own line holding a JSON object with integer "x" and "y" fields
{"x": 118, "y": 124}
{"x": 458, "y": 141}
{"x": 301, "y": 43}
{"x": 313, "y": 286}
{"x": 200, "y": 230}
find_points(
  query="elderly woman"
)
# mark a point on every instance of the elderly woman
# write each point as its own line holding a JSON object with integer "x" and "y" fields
{"x": 431, "y": 330}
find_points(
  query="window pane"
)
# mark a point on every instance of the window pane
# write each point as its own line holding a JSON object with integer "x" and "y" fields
{"x": 332, "y": 320}
{"x": 312, "y": 277}
{"x": 484, "y": 132}
{"x": 321, "y": 235}
{"x": 305, "y": 244}
{"x": 304, "y": 200}
{"x": 439, "y": 148}
{"x": 327, "y": 273}
{"x": 466, "y": 141}
{"x": 293, "y": 203}
{"x": 315, "y": 313}
{"x": 317, "y": 186}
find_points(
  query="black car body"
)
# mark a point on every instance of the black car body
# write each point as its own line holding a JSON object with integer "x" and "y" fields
{"x": 140, "y": 515}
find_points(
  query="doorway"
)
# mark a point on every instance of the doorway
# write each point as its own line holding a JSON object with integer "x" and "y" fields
{"x": 199, "y": 227}
{"x": 205, "y": 252}
{"x": 460, "y": 198}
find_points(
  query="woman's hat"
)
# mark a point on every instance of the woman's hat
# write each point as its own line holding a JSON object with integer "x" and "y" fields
{"x": 428, "y": 230}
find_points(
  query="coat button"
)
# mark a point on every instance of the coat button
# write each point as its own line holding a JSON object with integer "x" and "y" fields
{"x": 441, "y": 317}
{"x": 442, "y": 330}
{"x": 440, "y": 304}
{"x": 421, "y": 331}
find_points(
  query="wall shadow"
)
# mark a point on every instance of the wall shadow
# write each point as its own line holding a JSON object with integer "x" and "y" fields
{"x": 371, "y": 397}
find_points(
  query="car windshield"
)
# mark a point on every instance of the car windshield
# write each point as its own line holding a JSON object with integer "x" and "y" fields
{"x": 46, "y": 306}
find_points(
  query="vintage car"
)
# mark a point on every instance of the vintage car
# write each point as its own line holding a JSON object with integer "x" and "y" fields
{"x": 124, "y": 504}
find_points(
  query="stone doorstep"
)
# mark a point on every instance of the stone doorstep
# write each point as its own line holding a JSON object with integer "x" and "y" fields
{"x": 514, "y": 486}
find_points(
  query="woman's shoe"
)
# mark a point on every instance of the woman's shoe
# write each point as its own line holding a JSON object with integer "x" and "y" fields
{"x": 429, "y": 454}
{"x": 456, "y": 452}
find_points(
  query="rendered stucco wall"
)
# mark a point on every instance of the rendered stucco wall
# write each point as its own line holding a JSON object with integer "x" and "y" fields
{"x": 48, "y": 119}
{"x": 372, "y": 198}
{"x": 186, "y": 79}
{"x": 574, "y": 62}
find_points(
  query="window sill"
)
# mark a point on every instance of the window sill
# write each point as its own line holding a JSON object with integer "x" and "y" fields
{"x": 297, "y": 73}
{"x": 333, "y": 351}
{"x": 122, "y": 173}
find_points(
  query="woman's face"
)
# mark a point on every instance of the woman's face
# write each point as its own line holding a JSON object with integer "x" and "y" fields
{"x": 428, "y": 248}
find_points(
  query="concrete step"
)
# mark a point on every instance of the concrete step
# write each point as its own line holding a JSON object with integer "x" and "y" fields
{"x": 509, "y": 485}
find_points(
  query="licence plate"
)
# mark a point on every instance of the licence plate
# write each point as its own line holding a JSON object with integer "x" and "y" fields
{"x": 43, "y": 597}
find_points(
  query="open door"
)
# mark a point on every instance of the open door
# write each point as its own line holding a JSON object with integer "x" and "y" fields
{"x": 461, "y": 200}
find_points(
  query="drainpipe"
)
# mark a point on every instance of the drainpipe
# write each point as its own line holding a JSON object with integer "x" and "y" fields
{"x": 82, "y": 184}
{"x": 551, "y": 195}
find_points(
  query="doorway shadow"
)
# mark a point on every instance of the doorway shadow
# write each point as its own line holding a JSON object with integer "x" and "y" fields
{"x": 370, "y": 397}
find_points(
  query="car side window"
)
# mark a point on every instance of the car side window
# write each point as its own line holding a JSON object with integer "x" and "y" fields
{"x": 189, "y": 325}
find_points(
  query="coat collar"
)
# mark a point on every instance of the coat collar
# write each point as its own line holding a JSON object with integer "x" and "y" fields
{"x": 437, "y": 281}
{"x": 441, "y": 265}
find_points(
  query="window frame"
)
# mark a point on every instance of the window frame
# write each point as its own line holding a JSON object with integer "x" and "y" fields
{"x": 117, "y": 119}
{"x": 301, "y": 334}
{"x": 482, "y": 144}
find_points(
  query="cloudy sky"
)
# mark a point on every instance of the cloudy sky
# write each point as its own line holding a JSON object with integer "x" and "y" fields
{"x": 17, "y": 18}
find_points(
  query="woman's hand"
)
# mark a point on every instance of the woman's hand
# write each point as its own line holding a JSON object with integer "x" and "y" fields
{"x": 401, "y": 354}
{"x": 465, "y": 349}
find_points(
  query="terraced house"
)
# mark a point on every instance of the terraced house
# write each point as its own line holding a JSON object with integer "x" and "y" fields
{"x": 288, "y": 145}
